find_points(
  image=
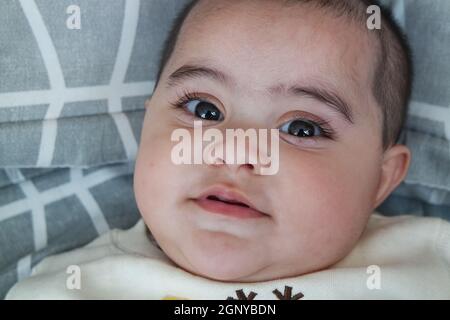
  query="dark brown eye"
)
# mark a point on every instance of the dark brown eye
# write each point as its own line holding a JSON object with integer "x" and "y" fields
{"x": 299, "y": 128}
{"x": 204, "y": 110}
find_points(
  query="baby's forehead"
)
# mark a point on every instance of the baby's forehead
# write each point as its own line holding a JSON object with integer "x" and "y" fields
{"x": 262, "y": 44}
{"x": 268, "y": 29}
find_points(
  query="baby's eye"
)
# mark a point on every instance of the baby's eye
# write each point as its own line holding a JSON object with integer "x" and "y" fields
{"x": 204, "y": 110}
{"x": 301, "y": 128}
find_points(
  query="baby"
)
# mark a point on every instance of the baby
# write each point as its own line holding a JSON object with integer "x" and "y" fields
{"x": 337, "y": 91}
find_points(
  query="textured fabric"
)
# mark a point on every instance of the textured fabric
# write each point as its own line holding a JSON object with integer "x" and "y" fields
{"x": 396, "y": 258}
{"x": 48, "y": 211}
{"x": 75, "y": 97}
{"x": 426, "y": 189}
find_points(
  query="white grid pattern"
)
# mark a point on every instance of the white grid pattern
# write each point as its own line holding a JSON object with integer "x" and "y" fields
{"x": 24, "y": 267}
{"x": 60, "y": 94}
{"x": 432, "y": 112}
{"x": 48, "y": 196}
{"x": 88, "y": 201}
{"x": 56, "y": 97}
{"x": 37, "y": 209}
{"x": 36, "y": 201}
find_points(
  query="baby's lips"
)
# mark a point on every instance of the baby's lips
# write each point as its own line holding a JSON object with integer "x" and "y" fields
{"x": 229, "y": 194}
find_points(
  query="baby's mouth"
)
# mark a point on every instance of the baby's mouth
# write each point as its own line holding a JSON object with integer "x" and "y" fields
{"x": 228, "y": 202}
{"x": 231, "y": 202}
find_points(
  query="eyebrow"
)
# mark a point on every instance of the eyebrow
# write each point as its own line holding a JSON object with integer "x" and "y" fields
{"x": 321, "y": 93}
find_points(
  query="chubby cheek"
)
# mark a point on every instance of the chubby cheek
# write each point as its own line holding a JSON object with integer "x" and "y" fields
{"x": 154, "y": 174}
{"x": 327, "y": 204}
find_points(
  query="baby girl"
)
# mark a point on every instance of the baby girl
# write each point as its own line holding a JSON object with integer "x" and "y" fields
{"x": 337, "y": 91}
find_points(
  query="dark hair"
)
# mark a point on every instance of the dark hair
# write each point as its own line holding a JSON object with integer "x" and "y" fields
{"x": 394, "y": 69}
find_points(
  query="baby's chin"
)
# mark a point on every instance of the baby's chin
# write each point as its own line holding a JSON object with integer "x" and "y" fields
{"x": 235, "y": 264}
{"x": 220, "y": 264}
{"x": 227, "y": 272}
{"x": 245, "y": 271}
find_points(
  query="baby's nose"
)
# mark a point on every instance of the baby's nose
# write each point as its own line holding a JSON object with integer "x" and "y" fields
{"x": 244, "y": 157}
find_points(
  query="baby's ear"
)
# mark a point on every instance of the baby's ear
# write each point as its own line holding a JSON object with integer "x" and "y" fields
{"x": 395, "y": 167}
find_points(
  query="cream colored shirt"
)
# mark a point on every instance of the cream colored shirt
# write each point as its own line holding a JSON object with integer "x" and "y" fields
{"x": 402, "y": 257}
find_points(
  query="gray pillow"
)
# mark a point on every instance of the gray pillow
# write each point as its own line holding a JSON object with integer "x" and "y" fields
{"x": 47, "y": 211}
{"x": 75, "y": 97}
{"x": 426, "y": 189}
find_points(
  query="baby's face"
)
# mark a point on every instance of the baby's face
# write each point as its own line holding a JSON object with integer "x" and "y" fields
{"x": 317, "y": 205}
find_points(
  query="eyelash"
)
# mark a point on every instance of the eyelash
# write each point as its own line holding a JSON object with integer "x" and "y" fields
{"x": 323, "y": 125}
{"x": 185, "y": 98}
